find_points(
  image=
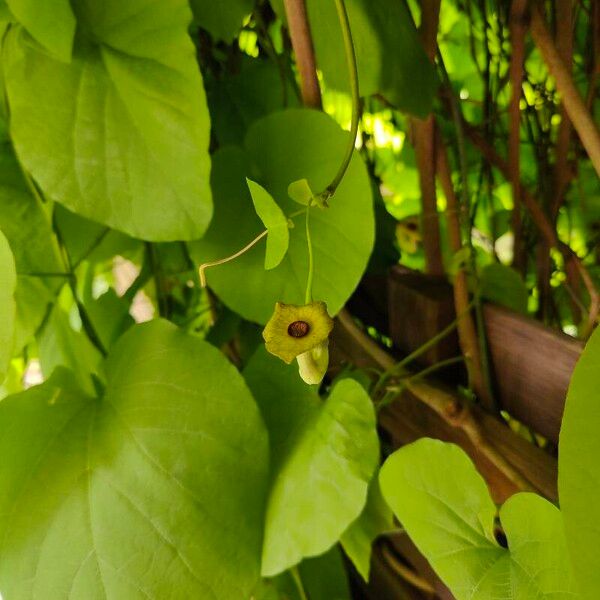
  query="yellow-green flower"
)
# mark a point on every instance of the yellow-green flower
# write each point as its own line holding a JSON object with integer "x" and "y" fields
{"x": 295, "y": 330}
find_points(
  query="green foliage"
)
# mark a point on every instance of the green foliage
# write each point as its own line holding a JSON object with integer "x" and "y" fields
{"x": 375, "y": 519}
{"x": 97, "y": 142}
{"x": 280, "y": 149}
{"x": 96, "y": 489}
{"x": 578, "y": 473}
{"x": 272, "y": 217}
{"x": 8, "y": 283}
{"x": 221, "y": 19}
{"x": 51, "y": 23}
{"x": 444, "y": 505}
{"x": 391, "y": 61}
{"x": 503, "y": 285}
{"x": 323, "y": 455}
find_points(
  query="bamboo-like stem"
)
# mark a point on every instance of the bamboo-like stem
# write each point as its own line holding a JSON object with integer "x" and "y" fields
{"x": 574, "y": 105}
{"x": 445, "y": 404}
{"x": 517, "y": 37}
{"x": 299, "y": 29}
{"x": 467, "y": 332}
{"x": 423, "y": 133}
{"x": 544, "y": 225}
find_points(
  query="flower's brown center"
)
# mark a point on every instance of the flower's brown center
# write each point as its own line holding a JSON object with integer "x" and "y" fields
{"x": 298, "y": 329}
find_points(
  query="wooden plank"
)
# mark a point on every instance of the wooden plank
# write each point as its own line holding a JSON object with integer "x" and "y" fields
{"x": 532, "y": 364}
{"x": 419, "y": 308}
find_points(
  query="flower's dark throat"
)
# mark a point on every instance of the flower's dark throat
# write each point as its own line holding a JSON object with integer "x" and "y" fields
{"x": 298, "y": 329}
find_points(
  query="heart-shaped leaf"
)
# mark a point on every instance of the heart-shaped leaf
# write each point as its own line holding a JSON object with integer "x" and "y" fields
{"x": 445, "y": 507}
{"x": 120, "y": 135}
{"x": 323, "y": 455}
{"x": 276, "y": 223}
{"x": 284, "y": 147}
{"x": 153, "y": 490}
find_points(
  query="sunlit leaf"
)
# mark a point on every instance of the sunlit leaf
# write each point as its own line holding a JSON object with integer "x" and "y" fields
{"x": 276, "y": 223}
{"x": 444, "y": 505}
{"x": 8, "y": 284}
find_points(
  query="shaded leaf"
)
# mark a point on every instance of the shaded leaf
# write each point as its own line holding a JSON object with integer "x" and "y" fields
{"x": 323, "y": 455}
{"x": 154, "y": 490}
{"x": 375, "y": 519}
{"x": 8, "y": 284}
{"x": 222, "y": 20}
{"x": 281, "y": 148}
{"x": 503, "y": 285}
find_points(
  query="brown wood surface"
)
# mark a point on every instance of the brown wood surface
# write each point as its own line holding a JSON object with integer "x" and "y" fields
{"x": 532, "y": 364}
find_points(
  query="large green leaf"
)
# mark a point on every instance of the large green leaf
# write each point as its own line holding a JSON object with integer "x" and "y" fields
{"x": 390, "y": 58}
{"x": 8, "y": 283}
{"x": 238, "y": 99}
{"x": 445, "y": 507}
{"x": 323, "y": 455}
{"x": 121, "y": 134}
{"x": 282, "y": 148}
{"x": 222, "y": 20}
{"x": 51, "y": 23}
{"x": 153, "y": 490}
{"x": 578, "y": 472}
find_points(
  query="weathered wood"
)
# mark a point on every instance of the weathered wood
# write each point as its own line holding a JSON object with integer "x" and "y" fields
{"x": 532, "y": 364}
{"x": 420, "y": 306}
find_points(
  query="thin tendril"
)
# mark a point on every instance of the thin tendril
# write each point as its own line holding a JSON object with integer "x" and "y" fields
{"x": 222, "y": 261}
{"x": 353, "y": 71}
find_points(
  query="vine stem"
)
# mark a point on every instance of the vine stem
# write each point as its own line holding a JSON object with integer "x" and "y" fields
{"x": 398, "y": 367}
{"x": 298, "y": 581}
{"x": 311, "y": 260}
{"x": 354, "y": 89}
{"x": 227, "y": 259}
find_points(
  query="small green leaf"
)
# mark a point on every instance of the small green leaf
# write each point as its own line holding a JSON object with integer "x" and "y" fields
{"x": 323, "y": 455}
{"x": 155, "y": 489}
{"x": 504, "y": 285}
{"x": 375, "y": 520}
{"x": 300, "y": 192}
{"x": 278, "y": 236}
{"x": 578, "y": 474}
{"x": 222, "y": 20}
{"x": 8, "y": 284}
{"x": 51, "y": 23}
{"x": 445, "y": 507}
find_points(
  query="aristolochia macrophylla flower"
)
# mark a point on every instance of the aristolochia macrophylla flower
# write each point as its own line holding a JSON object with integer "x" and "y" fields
{"x": 312, "y": 365}
{"x": 295, "y": 330}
